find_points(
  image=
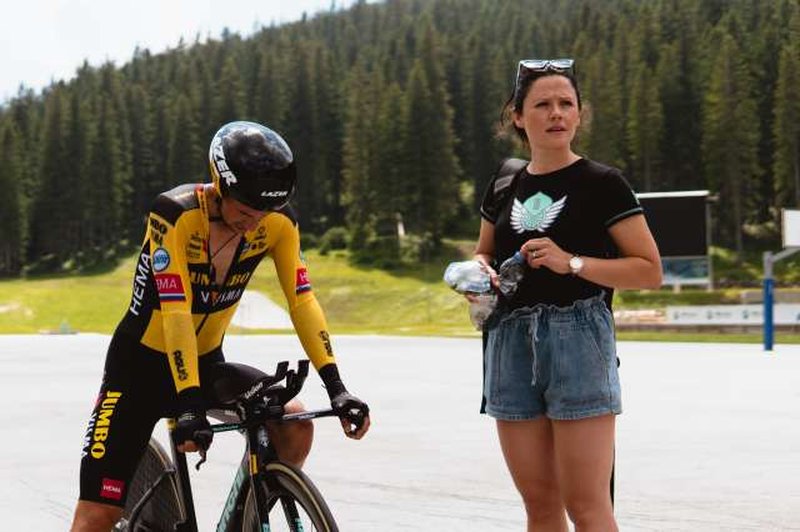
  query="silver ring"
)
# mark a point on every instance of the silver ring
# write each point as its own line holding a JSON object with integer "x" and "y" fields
{"x": 533, "y": 253}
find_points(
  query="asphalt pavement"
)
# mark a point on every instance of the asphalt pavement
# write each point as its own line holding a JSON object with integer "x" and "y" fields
{"x": 709, "y": 439}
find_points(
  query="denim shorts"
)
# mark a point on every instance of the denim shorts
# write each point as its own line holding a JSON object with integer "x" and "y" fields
{"x": 560, "y": 362}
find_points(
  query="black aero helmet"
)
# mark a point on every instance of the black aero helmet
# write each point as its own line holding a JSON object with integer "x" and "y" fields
{"x": 252, "y": 164}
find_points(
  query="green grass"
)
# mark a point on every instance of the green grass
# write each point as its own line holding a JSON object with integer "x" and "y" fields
{"x": 365, "y": 300}
{"x": 86, "y": 303}
{"x": 356, "y": 300}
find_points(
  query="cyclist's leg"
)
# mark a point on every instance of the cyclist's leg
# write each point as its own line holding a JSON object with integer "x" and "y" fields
{"x": 292, "y": 440}
{"x": 95, "y": 517}
{"x": 122, "y": 420}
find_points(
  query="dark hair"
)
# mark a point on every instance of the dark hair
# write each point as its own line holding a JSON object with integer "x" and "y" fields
{"x": 521, "y": 89}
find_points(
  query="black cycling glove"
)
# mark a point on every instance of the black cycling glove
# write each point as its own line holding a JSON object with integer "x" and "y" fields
{"x": 350, "y": 407}
{"x": 191, "y": 423}
{"x": 345, "y": 404}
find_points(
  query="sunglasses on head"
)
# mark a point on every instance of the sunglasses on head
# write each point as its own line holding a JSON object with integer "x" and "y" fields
{"x": 543, "y": 66}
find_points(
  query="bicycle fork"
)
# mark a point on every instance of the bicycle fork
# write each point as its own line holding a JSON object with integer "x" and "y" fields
{"x": 259, "y": 454}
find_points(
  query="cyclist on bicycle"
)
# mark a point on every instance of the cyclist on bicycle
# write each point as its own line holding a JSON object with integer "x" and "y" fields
{"x": 201, "y": 246}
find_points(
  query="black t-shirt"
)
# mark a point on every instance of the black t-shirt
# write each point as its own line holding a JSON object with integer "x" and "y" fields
{"x": 573, "y": 206}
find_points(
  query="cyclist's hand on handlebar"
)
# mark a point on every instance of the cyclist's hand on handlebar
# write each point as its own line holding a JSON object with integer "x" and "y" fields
{"x": 353, "y": 414}
{"x": 193, "y": 432}
{"x": 352, "y": 411}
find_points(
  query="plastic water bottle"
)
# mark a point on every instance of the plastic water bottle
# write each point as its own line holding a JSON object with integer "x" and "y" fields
{"x": 467, "y": 277}
{"x": 511, "y": 273}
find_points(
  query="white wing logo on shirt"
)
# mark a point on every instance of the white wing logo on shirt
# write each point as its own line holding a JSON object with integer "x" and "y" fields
{"x": 536, "y": 214}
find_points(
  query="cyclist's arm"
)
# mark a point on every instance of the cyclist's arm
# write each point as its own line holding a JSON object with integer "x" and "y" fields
{"x": 170, "y": 267}
{"x": 304, "y": 309}
{"x": 309, "y": 322}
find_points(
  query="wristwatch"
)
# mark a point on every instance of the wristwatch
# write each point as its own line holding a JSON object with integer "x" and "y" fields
{"x": 575, "y": 264}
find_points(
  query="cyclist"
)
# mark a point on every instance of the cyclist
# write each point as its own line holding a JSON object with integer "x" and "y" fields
{"x": 201, "y": 246}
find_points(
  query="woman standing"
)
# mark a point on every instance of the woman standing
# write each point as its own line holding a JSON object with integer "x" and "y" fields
{"x": 551, "y": 377}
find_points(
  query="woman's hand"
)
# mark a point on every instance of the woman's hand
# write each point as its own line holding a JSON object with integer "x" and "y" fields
{"x": 540, "y": 252}
{"x": 482, "y": 305}
{"x": 488, "y": 269}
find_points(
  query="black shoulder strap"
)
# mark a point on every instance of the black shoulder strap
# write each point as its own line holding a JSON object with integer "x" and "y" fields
{"x": 503, "y": 185}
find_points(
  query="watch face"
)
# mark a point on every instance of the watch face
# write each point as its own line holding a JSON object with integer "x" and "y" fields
{"x": 575, "y": 264}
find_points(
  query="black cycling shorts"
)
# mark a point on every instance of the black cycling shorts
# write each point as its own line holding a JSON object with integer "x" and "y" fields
{"x": 136, "y": 392}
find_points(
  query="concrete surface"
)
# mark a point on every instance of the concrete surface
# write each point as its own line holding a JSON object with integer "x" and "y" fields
{"x": 257, "y": 311}
{"x": 709, "y": 440}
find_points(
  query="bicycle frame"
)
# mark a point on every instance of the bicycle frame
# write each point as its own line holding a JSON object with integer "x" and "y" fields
{"x": 259, "y": 451}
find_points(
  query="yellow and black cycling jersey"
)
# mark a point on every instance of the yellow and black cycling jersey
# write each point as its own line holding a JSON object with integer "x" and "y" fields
{"x": 176, "y": 308}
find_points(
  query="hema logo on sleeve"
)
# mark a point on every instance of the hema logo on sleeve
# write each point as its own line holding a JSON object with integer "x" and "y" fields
{"x": 140, "y": 282}
{"x": 160, "y": 260}
{"x": 221, "y": 163}
{"x": 302, "y": 283}
{"x": 112, "y": 489}
{"x": 170, "y": 287}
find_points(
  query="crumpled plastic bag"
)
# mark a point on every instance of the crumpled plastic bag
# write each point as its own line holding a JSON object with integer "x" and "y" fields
{"x": 481, "y": 308}
{"x": 469, "y": 277}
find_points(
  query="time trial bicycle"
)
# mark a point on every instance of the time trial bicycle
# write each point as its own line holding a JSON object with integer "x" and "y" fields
{"x": 267, "y": 495}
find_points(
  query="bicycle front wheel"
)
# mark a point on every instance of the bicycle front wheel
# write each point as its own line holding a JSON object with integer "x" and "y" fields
{"x": 293, "y": 503}
{"x": 163, "y": 509}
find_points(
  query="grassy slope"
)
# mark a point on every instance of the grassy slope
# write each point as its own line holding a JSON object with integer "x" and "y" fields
{"x": 87, "y": 303}
{"x": 355, "y": 300}
{"x": 363, "y": 300}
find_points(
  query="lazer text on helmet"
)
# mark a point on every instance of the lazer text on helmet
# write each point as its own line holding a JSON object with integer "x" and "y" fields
{"x": 221, "y": 164}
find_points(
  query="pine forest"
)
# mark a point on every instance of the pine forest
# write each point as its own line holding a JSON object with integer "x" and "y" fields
{"x": 392, "y": 111}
